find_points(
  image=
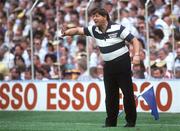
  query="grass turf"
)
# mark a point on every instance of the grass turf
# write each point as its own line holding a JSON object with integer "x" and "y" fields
{"x": 82, "y": 121}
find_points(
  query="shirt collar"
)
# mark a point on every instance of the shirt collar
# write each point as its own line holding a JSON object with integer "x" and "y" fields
{"x": 109, "y": 25}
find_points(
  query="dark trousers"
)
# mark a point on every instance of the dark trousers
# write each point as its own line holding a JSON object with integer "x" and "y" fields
{"x": 117, "y": 74}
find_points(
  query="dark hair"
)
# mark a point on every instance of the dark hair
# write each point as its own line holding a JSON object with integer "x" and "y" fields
{"x": 81, "y": 40}
{"x": 141, "y": 17}
{"x": 17, "y": 70}
{"x": 52, "y": 56}
{"x": 40, "y": 71}
{"x": 74, "y": 12}
{"x": 18, "y": 57}
{"x": 158, "y": 68}
{"x": 101, "y": 12}
{"x": 159, "y": 33}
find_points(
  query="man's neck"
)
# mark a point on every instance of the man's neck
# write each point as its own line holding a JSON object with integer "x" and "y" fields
{"x": 103, "y": 28}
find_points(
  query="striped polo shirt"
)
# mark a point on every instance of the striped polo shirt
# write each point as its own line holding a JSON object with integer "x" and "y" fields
{"x": 112, "y": 42}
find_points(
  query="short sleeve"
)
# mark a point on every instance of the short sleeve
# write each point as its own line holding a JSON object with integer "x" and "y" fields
{"x": 125, "y": 34}
{"x": 86, "y": 31}
{"x": 129, "y": 37}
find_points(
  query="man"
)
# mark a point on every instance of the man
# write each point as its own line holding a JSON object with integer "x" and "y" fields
{"x": 110, "y": 38}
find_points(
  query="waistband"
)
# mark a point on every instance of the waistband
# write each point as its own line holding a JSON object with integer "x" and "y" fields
{"x": 124, "y": 56}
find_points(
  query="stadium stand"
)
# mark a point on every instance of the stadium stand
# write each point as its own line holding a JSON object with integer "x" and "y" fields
{"x": 56, "y": 58}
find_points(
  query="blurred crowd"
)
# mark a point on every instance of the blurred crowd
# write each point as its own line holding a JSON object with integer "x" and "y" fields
{"x": 71, "y": 58}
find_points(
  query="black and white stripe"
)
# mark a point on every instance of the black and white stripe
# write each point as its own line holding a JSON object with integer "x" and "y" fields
{"x": 112, "y": 42}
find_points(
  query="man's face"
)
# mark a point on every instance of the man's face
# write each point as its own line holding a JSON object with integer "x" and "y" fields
{"x": 98, "y": 19}
{"x": 14, "y": 74}
{"x": 157, "y": 74}
{"x": 161, "y": 55}
{"x": 178, "y": 52}
{"x": 27, "y": 75}
{"x": 37, "y": 43}
{"x": 177, "y": 74}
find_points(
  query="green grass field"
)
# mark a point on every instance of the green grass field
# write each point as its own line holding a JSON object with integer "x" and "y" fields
{"x": 82, "y": 121}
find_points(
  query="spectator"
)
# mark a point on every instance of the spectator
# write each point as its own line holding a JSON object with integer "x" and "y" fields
{"x": 176, "y": 8}
{"x": 27, "y": 74}
{"x": 177, "y": 58}
{"x": 18, "y": 50}
{"x": 63, "y": 65}
{"x": 6, "y": 56}
{"x": 8, "y": 37}
{"x": 4, "y": 72}
{"x": 75, "y": 74}
{"x": 167, "y": 10}
{"x": 15, "y": 73}
{"x": 139, "y": 71}
{"x": 159, "y": 7}
{"x": 158, "y": 36}
{"x": 70, "y": 44}
{"x": 60, "y": 17}
{"x": 68, "y": 75}
{"x": 39, "y": 75}
{"x": 162, "y": 65}
{"x": 157, "y": 73}
{"x": 93, "y": 73}
{"x": 50, "y": 48}
{"x": 58, "y": 48}
{"x": 68, "y": 7}
{"x": 95, "y": 57}
{"x": 48, "y": 71}
{"x": 158, "y": 23}
{"x": 124, "y": 20}
{"x": 24, "y": 45}
{"x": 1, "y": 35}
{"x": 37, "y": 62}
{"x": 81, "y": 45}
{"x": 109, "y": 7}
{"x": 142, "y": 33}
{"x": 74, "y": 18}
{"x": 50, "y": 59}
{"x": 38, "y": 48}
{"x": 177, "y": 72}
{"x": 163, "y": 56}
{"x": 82, "y": 66}
{"x": 19, "y": 62}
{"x": 100, "y": 71}
{"x": 57, "y": 71}
{"x": 143, "y": 57}
{"x": 133, "y": 14}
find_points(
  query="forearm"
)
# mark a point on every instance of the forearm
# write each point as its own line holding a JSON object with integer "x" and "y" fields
{"x": 136, "y": 46}
{"x": 70, "y": 32}
{"x": 73, "y": 31}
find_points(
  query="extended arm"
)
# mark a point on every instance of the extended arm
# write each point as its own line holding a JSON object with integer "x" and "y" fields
{"x": 73, "y": 31}
{"x": 136, "y": 48}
